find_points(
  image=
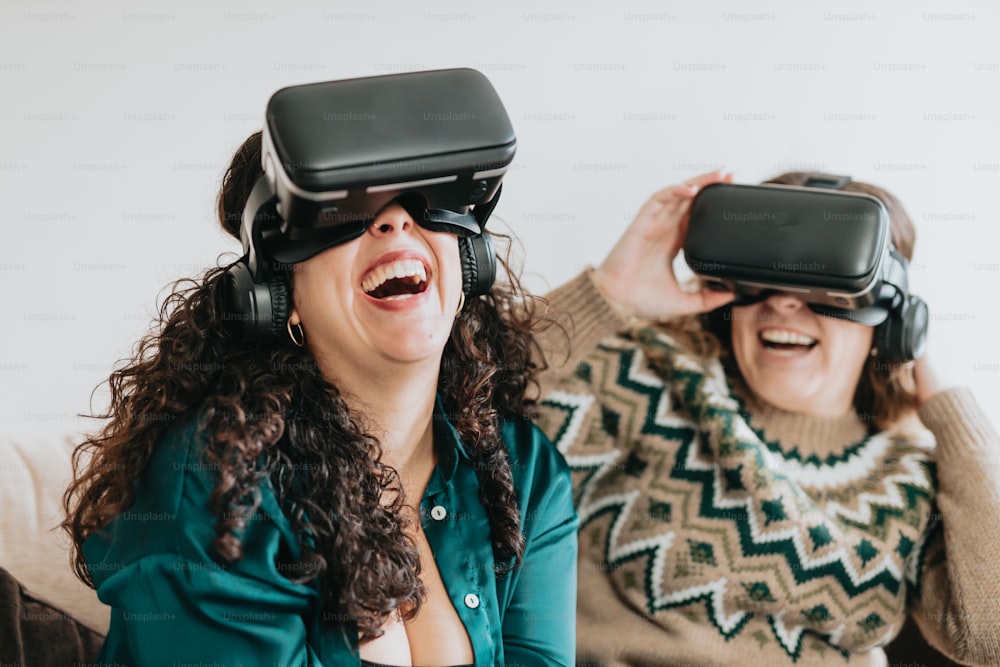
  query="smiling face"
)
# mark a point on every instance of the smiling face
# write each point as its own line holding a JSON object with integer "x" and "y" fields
{"x": 797, "y": 360}
{"x": 386, "y": 298}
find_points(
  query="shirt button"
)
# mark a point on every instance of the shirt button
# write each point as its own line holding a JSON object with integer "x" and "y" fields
{"x": 438, "y": 512}
{"x": 471, "y": 600}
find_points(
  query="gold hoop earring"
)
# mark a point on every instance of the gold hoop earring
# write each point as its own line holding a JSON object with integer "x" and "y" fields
{"x": 301, "y": 340}
{"x": 461, "y": 303}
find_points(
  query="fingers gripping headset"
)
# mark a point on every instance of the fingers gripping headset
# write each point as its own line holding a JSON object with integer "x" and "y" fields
{"x": 831, "y": 249}
{"x": 335, "y": 153}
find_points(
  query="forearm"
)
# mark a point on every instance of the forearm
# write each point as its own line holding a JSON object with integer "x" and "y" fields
{"x": 582, "y": 317}
{"x": 960, "y": 592}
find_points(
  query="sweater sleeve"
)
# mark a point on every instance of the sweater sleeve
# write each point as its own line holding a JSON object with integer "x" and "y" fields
{"x": 571, "y": 413}
{"x": 959, "y": 596}
{"x": 582, "y": 317}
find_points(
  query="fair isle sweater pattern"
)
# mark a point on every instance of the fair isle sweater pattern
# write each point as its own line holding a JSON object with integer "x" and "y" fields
{"x": 689, "y": 509}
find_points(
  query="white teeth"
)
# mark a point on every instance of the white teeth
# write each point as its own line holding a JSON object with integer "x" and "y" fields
{"x": 786, "y": 337}
{"x": 403, "y": 268}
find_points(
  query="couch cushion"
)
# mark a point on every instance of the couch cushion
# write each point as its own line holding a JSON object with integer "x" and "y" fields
{"x": 34, "y": 474}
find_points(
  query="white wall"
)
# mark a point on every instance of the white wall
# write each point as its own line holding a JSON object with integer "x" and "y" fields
{"x": 118, "y": 119}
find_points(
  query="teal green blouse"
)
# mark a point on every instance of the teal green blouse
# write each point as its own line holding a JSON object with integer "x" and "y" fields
{"x": 173, "y": 604}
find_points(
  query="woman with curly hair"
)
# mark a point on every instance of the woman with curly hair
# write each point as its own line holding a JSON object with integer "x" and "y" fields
{"x": 759, "y": 483}
{"x": 367, "y": 490}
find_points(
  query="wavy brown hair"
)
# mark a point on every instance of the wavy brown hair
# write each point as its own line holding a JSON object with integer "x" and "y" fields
{"x": 268, "y": 413}
{"x": 886, "y": 391}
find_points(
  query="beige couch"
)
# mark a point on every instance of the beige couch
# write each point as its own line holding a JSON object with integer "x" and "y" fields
{"x": 34, "y": 473}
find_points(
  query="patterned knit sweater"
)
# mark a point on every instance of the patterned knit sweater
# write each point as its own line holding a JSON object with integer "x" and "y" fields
{"x": 711, "y": 534}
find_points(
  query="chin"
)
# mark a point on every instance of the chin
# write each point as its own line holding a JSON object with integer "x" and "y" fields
{"x": 805, "y": 398}
{"x": 414, "y": 347}
{"x": 790, "y": 393}
{"x": 787, "y": 401}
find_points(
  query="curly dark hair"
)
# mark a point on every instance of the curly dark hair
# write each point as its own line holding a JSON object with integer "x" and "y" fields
{"x": 268, "y": 413}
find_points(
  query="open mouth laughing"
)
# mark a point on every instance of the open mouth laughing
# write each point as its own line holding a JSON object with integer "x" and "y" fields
{"x": 786, "y": 341}
{"x": 396, "y": 279}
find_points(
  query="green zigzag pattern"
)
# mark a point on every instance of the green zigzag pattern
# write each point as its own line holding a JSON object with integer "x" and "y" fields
{"x": 796, "y": 652}
{"x": 784, "y": 548}
{"x": 559, "y": 435}
{"x": 812, "y": 459}
{"x": 690, "y": 383}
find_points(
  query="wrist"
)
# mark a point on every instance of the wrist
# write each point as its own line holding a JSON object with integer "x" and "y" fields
{"x": 600, "y": 280}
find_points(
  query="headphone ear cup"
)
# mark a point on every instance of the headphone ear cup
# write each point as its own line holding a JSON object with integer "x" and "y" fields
{"x": 913, "y": 329}
{"x": 479, "y": 263}
{"x": 259, "y": 310}
{"x": 903, "y": 336}
{"x": 884, "y": 335}
{"x": 920, "y": 321}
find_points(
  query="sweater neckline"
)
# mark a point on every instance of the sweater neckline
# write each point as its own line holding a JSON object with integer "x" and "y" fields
{"x": 821, "y": 441}
{"x": 805, "y": 438}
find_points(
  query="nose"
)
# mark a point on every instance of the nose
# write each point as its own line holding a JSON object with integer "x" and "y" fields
{"x": 783, "y": 302}
{"x": 390, "y": 220}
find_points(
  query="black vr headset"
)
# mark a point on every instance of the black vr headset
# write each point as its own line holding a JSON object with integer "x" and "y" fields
{"x": 831, "y": 249}
{"x": 335, "y": 153}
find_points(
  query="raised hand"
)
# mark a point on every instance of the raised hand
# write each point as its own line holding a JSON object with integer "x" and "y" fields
{"x": 637, "y": 276}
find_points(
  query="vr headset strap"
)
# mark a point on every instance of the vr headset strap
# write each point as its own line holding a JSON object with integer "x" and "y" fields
{"x": 468, "y": 224}
{"x": 484, "y": 210}
{"x": 260, "y": 221}
{"x": 828, "y": 181}
{"x": 443, "y": 220}
{"x": 895, "y": 274}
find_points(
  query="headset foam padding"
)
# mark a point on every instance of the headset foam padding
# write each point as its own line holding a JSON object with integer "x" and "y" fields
{"x": 280, "y": 307}
{"x": 479, "y": 263}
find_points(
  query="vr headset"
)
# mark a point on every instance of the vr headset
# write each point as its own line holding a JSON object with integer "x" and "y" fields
{"x": 335, "y": 153}
{"x": 831, "y": 249}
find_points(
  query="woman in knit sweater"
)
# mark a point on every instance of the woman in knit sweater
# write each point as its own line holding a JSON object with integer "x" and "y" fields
{"x": 747, "y": 502}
